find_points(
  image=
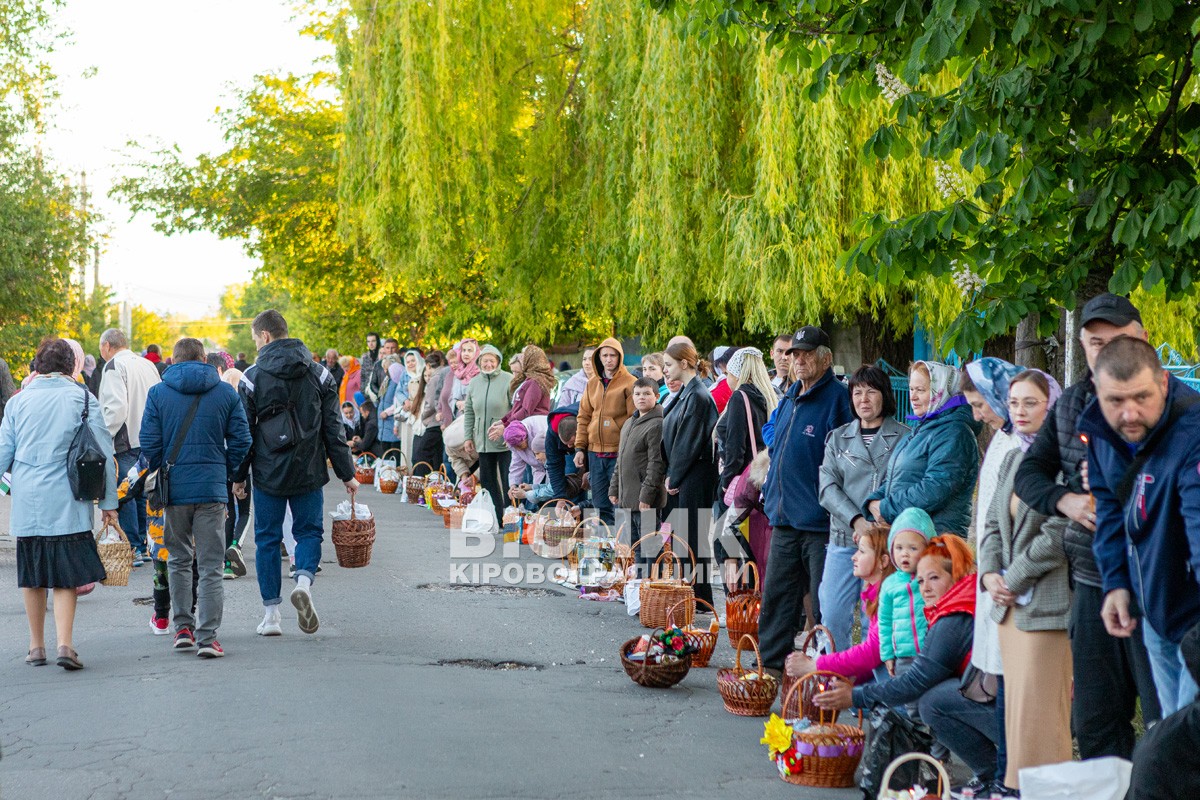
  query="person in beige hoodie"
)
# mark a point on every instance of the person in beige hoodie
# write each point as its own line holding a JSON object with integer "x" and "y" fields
{"x": 605, "y": 405}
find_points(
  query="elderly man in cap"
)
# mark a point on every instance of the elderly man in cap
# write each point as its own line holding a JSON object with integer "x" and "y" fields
{"x": 815, "y": 405}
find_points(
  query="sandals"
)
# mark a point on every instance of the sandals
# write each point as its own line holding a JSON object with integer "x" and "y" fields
{"x": 36, "y": 657}
{"x": 68, "y": 659}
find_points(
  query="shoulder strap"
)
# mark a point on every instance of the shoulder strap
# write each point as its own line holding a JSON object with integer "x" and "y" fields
{"x": 1124, "y": 487}
{"x": 86, "y": 397}
{"x": 750, "y": 425}
{"x": 183, "y": 431}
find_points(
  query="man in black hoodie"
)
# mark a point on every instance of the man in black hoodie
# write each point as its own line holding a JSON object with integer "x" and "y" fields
{"x": 292, "y": 407}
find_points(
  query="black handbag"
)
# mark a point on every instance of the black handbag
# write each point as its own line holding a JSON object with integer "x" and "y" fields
{"x": 160, "y": 496}
{"x": 87, "y": 465}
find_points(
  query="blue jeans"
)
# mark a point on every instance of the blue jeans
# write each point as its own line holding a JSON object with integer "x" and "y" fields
{"x": 132, "y": 516}
{"x": 968, "y": 728}
{"x": 600, "y": 472}
{"x": 307, "y": 519}
{"x": 838, "y": 593}
{"x": 1176, "y": 686}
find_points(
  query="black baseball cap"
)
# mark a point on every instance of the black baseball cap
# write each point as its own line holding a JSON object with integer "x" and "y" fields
{"x": 1110, "y": 308}
{"x": 810, "y": 337}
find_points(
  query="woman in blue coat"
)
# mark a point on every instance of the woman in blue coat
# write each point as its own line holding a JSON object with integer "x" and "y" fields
{"x": 55, "y": 548}
{"x": 935, "y": 467}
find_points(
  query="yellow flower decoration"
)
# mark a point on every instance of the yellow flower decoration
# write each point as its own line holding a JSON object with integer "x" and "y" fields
{"x": 777, "y": 735}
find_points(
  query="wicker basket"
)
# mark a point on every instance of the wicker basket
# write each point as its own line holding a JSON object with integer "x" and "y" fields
{"x": 364, "y": 468}
{"x": 401, "y": 467}
{"x": 660, "y": 594}
{"x": 456, "y": 516}
{"x": 747, "y": 698}
{"x": 552, "y": 534}
{"x": 943, "y": 790}
{"x": 742, "y": 608}
{"x": 809, "y": 643}
{"x": 653, "y": 676}
{"x": 389, "y": 477}
{"x": 705, "y": 641}
{"x": 828, "y": 771}
{"x": 353, "y": 539}
{"x": 437, "y": 483}
{"x": 117, "y": 557}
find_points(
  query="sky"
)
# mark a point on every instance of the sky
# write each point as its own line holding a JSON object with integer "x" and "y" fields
{"x": 155, "y": 71}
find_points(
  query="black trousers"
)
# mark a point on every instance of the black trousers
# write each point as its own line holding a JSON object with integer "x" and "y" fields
{"x": 1110, "y": 674}
{"x": 427, "y": 448}
{"x": 493, "y": 474}
{"x": 794, "y": 569}
{"x": 238, "y": 515}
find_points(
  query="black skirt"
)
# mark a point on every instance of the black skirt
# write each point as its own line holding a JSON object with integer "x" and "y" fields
{"x": 58, "y": 562}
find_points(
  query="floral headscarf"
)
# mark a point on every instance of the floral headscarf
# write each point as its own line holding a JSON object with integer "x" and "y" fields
{"x": 991, "y": 377}
{"x": 1026, "y": 439}
{"x": 535, "y": 366}
{"x": 943, "y": 390}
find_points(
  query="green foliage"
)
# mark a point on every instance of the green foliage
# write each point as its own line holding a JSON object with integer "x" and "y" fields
{"x": 1076, "y": 120}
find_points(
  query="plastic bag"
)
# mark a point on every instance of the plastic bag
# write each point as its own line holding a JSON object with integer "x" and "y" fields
{"x": 891, "y": 734}
{"x": 342, "y": 512}
{"x": 633, "y": 596}
{"x": 480, "y": 516}
{"x": 1094, "y": 779}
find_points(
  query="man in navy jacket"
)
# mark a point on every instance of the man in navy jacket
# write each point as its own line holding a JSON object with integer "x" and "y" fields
{"x": 1143, "y": 432}
{"x": 815, "y": 404}
{"x": 213, "y": 446}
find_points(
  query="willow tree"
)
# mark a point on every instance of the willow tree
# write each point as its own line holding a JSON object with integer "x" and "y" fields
{"x": 596, "y": 170}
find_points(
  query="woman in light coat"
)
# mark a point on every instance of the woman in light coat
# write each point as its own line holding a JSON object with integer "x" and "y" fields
{"x": 55, "y": 548}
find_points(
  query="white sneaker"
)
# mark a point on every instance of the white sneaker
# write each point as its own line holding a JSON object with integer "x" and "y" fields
{"x": 270, "y": 625}
{"x": 305, "y": 613}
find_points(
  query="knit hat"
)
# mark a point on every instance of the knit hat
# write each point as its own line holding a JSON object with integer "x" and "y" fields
{"x": 515, "y": 434}
{"x": 739, "y": 358}
{"x": 915, "y": 520}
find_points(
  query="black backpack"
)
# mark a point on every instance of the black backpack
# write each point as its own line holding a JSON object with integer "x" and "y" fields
{"x": 87, "y": 466}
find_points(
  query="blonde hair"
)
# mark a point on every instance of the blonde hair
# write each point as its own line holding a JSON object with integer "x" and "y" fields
{"x": 654, "y": 358}
{"x": 754, "y": 372}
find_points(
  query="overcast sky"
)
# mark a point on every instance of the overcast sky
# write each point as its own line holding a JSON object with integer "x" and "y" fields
{"x": 161, "y": 68}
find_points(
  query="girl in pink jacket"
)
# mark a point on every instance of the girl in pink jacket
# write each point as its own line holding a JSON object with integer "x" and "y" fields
{"x": 871, "y": 564}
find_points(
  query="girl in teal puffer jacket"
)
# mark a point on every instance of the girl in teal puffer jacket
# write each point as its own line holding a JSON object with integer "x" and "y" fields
{"x": 902, "y": 623}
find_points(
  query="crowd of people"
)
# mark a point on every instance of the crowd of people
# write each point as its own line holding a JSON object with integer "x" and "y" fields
{"x": 1067, "y": 618}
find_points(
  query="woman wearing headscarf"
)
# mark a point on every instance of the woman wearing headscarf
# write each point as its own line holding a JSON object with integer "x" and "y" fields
{"x": 454, "y": 432}
{"x": 1023, "y": 566}
{"x": 531, "y": 386}
{"x": 487, "y": 401}
{"x": 934, "y": 468}
{"x": 389, "y": 432}
{"x": 351, "y": 380}
{"x": 427, "y": 433}
{"x": 55, "y": 547}
{"x": 406, "y": 411}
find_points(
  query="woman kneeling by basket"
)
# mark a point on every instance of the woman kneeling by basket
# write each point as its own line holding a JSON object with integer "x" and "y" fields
{"x": 55, "y": 548}
{"x": 946, "y": 571}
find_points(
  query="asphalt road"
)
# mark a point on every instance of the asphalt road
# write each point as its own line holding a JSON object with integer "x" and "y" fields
{"x": 371, "y": 705}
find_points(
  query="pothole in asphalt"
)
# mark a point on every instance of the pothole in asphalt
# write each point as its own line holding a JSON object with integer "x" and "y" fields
{"x": 483, "y": 663}
{"x": 487, "y": 588}
{"x": 143, "y": 601}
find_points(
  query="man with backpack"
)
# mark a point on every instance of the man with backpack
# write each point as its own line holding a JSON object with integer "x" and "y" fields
{"x": 194, "y": 434}
{"x": 292, "y": 406}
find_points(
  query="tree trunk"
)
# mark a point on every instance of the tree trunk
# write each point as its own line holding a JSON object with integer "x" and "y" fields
{"x": 1030, "y": 350}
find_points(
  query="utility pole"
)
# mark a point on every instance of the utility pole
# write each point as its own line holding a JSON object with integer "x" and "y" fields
{"x": 83, "y": 191}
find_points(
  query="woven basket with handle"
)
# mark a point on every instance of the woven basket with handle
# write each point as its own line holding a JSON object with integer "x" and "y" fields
{"x": 662, "y": 591}
{"x": 830, "y": 750}
{"x": 117, "y": 557}
{"x": 808, "y": 645}
{"x": 353, "y": 539}
{"x": 703, "y": 639}
{"x": 653, "y": 676}
{"x": 887, "y": 793}
{"x": 747, "y": 698}
{"x": 364, "y": 468}
{"x": 742, "y": 607}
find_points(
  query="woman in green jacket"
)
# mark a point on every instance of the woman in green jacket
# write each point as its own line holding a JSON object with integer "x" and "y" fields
{"x": 488, "y": 400}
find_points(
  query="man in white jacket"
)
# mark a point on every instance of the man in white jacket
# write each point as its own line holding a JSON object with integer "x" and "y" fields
{"x": 124, "y": 385}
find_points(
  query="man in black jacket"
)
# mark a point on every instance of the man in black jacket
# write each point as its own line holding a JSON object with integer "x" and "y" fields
{"x": 1110, "y": 673}
{"x": 295, "y": 424}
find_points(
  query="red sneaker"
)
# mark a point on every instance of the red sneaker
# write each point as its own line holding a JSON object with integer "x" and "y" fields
{"x": 184, "y": 640}
{"x": 210, "y": 650}
{"x": 160, "y": 626}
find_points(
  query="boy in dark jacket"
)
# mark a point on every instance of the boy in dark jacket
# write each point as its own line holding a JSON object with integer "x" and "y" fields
{"x": 637, "y": 483}
{"x": 194, "y": 426}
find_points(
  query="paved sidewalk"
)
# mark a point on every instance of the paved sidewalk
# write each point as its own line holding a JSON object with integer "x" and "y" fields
{"x": 367, "y": 707}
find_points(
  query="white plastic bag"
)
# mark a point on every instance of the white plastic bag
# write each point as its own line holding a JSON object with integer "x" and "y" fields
{"x": 633, "y": 596}
{"x": 1095, "y": 779}
{"x": 480, "y": 515}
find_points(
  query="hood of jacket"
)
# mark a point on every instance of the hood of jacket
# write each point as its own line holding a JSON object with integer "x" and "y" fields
{"x": 959, "y": 600}
{"x": 642, "y": 416}
{"x": 599, "y": 365}
{"x": 191, "y": 377}
{"x": 486, "y": 350}
{"x": 286, "y": 359}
